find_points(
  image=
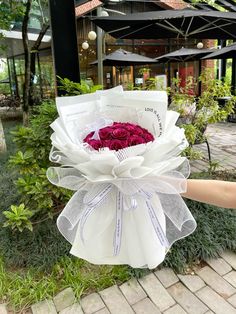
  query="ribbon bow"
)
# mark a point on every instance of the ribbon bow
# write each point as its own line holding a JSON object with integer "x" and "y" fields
{"x": 160, "y": 193}
{"x": 97, "y": 125}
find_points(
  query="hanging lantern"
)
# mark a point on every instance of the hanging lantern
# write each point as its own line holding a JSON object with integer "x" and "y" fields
{"x": 200, "y": 45}
{"x": 92, "y": 35}
{"x": 85, "y": 45}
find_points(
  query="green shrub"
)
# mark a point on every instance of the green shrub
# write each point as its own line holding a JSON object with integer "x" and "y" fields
{"x": 41, "y": 248}
{"x": 8, "y": 191}
{"x": 42, "y": 199}
{"x": 18, "y": 218}
{"x": 35, "y": 139}
{"x": 197, "y": 112}
{"x": 72, "y": 88}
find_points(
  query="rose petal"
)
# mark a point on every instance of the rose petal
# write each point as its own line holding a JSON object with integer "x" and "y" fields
{"x": 105, "y": 133}
{"x": 136, "y": 140}
{"x": 120, "y": 133}
{"x": 96, "y": 144}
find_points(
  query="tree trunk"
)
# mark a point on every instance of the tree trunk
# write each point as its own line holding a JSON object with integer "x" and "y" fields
{"x": 40, "y": 77}
{"x": 34, "y": 51}
{"x": 25, "y": 118}
{"x": 26, "y": 87}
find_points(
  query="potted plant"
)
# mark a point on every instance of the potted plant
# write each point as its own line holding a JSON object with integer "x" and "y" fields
{"x": 145, "y": 72}
{"x": 183, "y": 99}
{"x": 197, "y": 112}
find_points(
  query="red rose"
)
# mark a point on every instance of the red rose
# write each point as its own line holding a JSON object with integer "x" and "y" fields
{"x": 105, "y": 133}
{"x": 118, "y": 136}
{"x": 148, "y": 137}
{"x": 136, "y": 140}
{"x": 131, "y": 128}
{"x": 106, "y": 143}
{"x": 96, "y": 144}
{"x": 118, "y": 144}
{"x": 138, "y": 130}
{"x": 118, "y": 125}
{"x": 88, "y": 137}
{"x": 120, "y": 133}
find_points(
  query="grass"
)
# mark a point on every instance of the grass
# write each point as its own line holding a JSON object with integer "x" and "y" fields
{"x": 35, "y": 266}
{"x": 24, "y": 287}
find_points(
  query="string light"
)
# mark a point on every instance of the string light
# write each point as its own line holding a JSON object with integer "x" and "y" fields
{"x": 200, "y": 45}
{"x": 85, "y": 45}
{"x": 92, "y": 35}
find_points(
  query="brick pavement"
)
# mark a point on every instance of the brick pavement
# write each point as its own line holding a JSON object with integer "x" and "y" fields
{"x": 205, "y": 290}
{"x": 222, "y": 141}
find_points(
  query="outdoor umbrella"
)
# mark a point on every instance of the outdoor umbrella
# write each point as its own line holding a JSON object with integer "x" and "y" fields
{"x": 187, "y": 23}
{"x": 122, "y": 57}
{"x": 227, "y": 52}
{"x": 184, "y": 55}
{"x": 223, "y": 53}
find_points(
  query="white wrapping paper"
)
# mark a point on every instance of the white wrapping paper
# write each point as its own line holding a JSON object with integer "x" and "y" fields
{"x": 127, "y": 207}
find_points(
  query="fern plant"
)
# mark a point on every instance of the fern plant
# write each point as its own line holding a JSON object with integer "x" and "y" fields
{"x": 38, "y": 195}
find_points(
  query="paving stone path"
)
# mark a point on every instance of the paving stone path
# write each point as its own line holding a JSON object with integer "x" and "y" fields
{"x": 222, "y": 141}
{"x": 205, "y": 290}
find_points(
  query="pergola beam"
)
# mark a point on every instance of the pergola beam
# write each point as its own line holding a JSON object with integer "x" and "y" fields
{"x": 227, "y": 5}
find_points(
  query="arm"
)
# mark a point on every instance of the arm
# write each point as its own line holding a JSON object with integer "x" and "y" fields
{"x": 219, "y": 193}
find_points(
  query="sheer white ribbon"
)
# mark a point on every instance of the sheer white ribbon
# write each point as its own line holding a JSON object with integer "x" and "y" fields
{"x": 96, "y": 126}
{"x": 159, "y": 192}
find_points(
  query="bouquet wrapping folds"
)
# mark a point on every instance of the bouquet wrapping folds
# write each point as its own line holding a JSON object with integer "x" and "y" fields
{"x": 120, "y": 152}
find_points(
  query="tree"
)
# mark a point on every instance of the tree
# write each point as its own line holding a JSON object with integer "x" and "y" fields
{"x": 22, "y": 10}
{"x": 30, "y": 54}
{"x": 211, "y": 2}
{"x": 216, "y": 4}
{"x": 25, "y": 39}
{"x": 9, "y": 11}
{"x": 44, "y": 24}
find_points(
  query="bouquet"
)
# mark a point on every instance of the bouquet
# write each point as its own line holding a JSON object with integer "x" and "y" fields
{"x": 120, "y": 152}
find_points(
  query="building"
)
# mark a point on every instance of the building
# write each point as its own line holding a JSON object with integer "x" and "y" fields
{"x": 84, "y": 10}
